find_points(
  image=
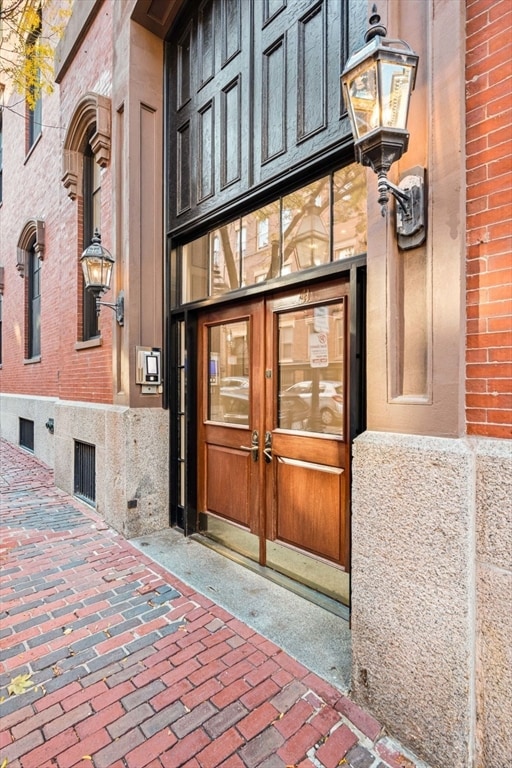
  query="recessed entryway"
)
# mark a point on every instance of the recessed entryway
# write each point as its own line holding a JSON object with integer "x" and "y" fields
{"x": 273, "y": 451}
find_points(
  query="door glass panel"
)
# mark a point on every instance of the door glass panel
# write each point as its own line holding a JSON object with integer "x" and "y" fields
{"x": 228, "y": 384}
{"x": 311, "y": 344}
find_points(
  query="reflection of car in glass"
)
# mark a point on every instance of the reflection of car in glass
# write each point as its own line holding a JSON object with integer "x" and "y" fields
{"x": 293, "y": 411}
{"x": 234, "y": 382}
{"x": 235, "y": 406}
{"x": 330, "y": 398}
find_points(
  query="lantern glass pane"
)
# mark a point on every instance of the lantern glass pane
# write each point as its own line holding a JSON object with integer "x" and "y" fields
{"x": 363, "y": 99}
{"x": 395, "y": 84}
{"x": 107, "y": 274}
{"x": 97, "y": 272}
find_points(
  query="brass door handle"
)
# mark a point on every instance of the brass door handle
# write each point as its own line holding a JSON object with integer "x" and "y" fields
{"x": 267, "y": 451}
{"x": 254, "y": 447}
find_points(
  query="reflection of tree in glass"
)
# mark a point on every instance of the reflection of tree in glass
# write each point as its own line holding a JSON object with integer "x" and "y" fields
{"x": 229, "y": 258}
{"x": 297, "y": 202}
{"x": 348, "y": 189}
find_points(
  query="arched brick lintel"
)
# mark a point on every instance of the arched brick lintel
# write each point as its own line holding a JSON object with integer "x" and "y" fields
{"x": 92, "y": 109}
{"x": 32, "y": 236}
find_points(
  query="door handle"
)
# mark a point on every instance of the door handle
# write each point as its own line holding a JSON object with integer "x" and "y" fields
{"x": 254, "y": 448}
{"x": 267, "y": 451}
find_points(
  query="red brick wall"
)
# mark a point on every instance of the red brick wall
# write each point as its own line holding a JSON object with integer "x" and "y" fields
{"x": 33, "y": 189}
{"x": 489, "y": 218}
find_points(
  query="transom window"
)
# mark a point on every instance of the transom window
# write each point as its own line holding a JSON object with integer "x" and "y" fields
{"x": 322, "y": 222}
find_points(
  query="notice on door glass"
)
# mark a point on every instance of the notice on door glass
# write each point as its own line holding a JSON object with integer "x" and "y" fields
{"x": 318, "y": 352}
{"x": 321, "y": 319}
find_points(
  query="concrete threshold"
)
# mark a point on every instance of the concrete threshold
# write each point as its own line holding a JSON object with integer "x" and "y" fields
{"x": 313, "y": 634}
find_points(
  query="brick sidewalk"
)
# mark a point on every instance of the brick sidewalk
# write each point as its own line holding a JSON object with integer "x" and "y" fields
{"x": 127, "y": 667}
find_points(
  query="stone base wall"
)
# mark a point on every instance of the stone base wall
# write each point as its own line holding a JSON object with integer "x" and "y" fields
{"x": 431, "y": 634}
{"x": 36, "y": 409}
{"x": 494, "y": 602}
{"x": 131, "y": 450}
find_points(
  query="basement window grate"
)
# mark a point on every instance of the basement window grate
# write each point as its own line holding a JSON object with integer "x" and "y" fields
{"x": 85, "y": 472}
{"x": 27, "y": 434}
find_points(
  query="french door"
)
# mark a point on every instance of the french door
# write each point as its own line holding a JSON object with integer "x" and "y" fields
{"x": 273, "y": 446}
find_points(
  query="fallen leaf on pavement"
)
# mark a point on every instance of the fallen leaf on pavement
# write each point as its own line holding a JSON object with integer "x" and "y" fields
{"x": 19, "y": 684}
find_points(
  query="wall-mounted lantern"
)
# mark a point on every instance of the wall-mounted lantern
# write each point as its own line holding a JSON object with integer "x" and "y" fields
{"x": 377, "y": 84}
{"x": 97, "y": 265}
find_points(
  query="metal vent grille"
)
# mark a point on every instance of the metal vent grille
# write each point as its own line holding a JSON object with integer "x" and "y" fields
{"x": 85, "y": 471}
{"x": 27, "y": 434}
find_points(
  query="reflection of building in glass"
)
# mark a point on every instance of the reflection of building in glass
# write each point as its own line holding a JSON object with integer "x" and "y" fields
{"x": 326, "y": 219}
{"x": 395, "y": 112}
{"x": 363, "y": 90}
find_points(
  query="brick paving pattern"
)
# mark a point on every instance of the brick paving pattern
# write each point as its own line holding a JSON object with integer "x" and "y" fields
{"x": 127, "y": 667}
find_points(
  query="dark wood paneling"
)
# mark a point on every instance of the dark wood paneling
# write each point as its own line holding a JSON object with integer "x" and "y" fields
{"x": 311, "y": 71}
{"x": 206, "y": 42}
{"x": 184, "y": 71}
{"x": 273, "y": 137}
{"x": 266, "y": 72}
{"x": 231, "y": 29}
{"x": 230, "y": 131}
{"x": 184, "y": 168}
{"x": 206, "y": 173}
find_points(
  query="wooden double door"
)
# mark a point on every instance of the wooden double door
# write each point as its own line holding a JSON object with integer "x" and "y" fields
{"x": 273, "y": 411}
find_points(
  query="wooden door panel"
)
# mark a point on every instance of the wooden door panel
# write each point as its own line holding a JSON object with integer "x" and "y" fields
{"x": 309, "y": 506}
{"x": 287, "y": 481}
{"x": 228, "y": 478}
{"x": 316, "y": 449}
{"x": 228, "y": 483}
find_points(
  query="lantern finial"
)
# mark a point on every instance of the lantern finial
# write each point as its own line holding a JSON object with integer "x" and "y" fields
{"x": 377, "y": 82}
{"x": 376, "y": 27}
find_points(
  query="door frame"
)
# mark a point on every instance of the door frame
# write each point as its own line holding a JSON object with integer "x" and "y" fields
{"x": 185, "y": 516}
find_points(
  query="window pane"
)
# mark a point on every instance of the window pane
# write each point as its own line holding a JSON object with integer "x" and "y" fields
{"x": 261, "y": 256}
{"x": 194, "y": 257}
{"x": 34, "y": 306}
{"x": 306, "y": 225}
{"x": 34, "y": 104}
{"x": 92, "y": 200}
{"x": 228, "y": 387}
{"x": 225, "y": 258}
{"x": 310, "y": 369}
{"x": 349, "y": 212}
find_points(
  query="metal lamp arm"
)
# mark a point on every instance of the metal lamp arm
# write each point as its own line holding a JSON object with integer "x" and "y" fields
{"x": 118, "y": 307}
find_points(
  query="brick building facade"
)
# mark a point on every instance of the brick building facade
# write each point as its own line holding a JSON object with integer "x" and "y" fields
{"x": 431, "y": 470}
{"x": 489, "y": 229}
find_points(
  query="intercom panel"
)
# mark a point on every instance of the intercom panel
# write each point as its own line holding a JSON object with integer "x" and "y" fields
{"x": 148, "y": 368}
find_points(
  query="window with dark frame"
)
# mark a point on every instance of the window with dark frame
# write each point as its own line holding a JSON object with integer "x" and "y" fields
{"x": 91, "y": 198}
{"x": 26, "y": 434}
{"x": 34, "y": 305}
{"x": 35, "y": 108}
{"x": 85, "y": 471}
